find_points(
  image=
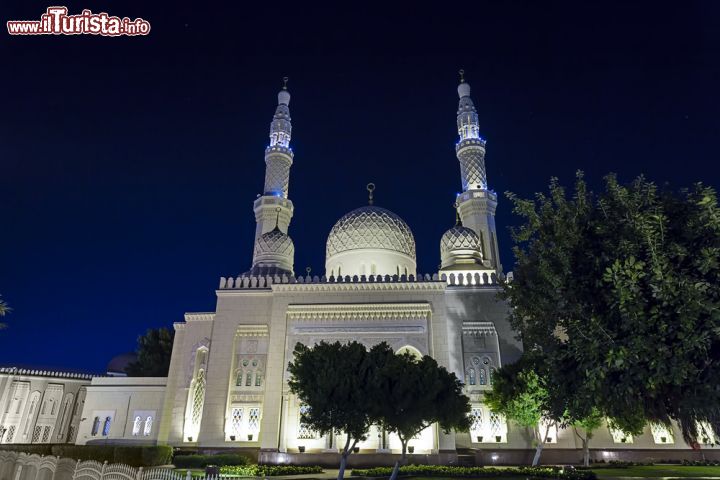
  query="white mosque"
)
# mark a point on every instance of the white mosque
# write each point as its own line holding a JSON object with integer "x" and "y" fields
{"x": 227, "y": 384}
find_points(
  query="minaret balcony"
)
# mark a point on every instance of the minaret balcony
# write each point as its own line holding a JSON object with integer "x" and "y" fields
{"x": 279, "y": 149}
{"x": 470, "y": 142}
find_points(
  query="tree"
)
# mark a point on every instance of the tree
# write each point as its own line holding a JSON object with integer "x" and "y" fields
{"x": 332, "y": 380}
{"x": 589, "y": 424}
{"x": 412, "y": 394}
{"x": 619, "y": 291}
{"x": 154, "y": 351}
{"x": 520, "y": 394}
{"x": 4, "y": 310}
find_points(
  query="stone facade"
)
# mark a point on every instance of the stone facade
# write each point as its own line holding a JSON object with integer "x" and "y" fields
{"x": 41, "y": 406}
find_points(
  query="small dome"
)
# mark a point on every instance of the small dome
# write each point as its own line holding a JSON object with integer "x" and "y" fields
{"x": 274, "y": 242}
{"x": 371, "y": 227}
{"x": 460, "y": 248}
{"x": 460, "y": 238}
{"x": 118, "y": 364}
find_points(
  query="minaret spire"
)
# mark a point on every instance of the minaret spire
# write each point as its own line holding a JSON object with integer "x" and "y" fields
{"x": 477, "y": 203}
{"x": 273, "y": 209}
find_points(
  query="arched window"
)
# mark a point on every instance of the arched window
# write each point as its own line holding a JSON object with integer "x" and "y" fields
{"x": 196, "y": 397}
{"x": 248, "y": 379}
{"x": 239, "y": 378}
{"x": 53, "y": 408}
{"x": 258, "y": 379}
{"x": 95, "y": 427}
{"x": 406, "y": 270}
{"x": 148, "y": 426}
{"x": 397, "y": 269}
{"x": 483, "y": 376}
{"x": 373, "y": 269}
{"x": 136, "y": 425}
{"x": 492, "y": 372}
{"x": 106, "y": 426}
{"x": 471, "y": 376}
{"x": 339, "y": 270}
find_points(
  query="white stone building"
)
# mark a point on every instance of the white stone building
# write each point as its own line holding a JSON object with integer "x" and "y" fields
{"x": 41, "y": 406}
{"x": 227, "y": 384}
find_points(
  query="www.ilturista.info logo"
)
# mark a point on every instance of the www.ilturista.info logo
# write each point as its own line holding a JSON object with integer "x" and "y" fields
{"x": 56, "y": 21}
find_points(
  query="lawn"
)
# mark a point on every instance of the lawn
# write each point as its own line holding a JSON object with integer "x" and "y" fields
{"x": 654, "y": 471}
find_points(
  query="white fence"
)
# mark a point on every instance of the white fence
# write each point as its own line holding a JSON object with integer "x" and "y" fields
{"x": 21, "y": 466}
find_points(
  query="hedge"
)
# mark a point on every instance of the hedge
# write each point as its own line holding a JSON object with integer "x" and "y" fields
{"x": 137, "y": 456}
{"x": 268, "y": 470}
{"x": 478, "y": 472}
{"x": 202, "y": 461}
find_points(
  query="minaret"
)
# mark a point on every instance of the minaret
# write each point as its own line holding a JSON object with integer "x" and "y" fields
{"x": 278, "y": 158}
{"x": 274, "y": 251}
{"x": 476, "y": 204}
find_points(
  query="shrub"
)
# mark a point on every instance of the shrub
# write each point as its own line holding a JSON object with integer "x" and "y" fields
{"x": 202, "y": 461}
{"x": 268, "y": 470}
{"x": 149, "y": 456}
{"x": 447, "y": 471}
{"x": 137, "y": 456}
{"x": 29, "y": 449}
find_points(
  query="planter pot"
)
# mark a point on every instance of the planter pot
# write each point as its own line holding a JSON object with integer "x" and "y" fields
{"x": 356, "y": 449}
{"x": 189, "y": 439}
{"x": 411, "y": 449}
{"x": 301, "y": 448}
{"x": 479, "y": 438}
{"x": 498, "y": 438}
{"x": 232, "y": 438}
{"x": 663, "y": 439}
{"x": 250, "y": 437}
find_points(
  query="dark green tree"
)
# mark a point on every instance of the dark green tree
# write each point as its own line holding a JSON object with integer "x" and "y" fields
{"x": 154, "y": 350}
{"x": 618, "y": 292}
{"x": 332, "y": 379}
{"x": 413, "y": 393}
{"x": 4, "y": 310}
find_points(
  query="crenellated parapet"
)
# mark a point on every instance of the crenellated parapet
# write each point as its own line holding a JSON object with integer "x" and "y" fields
{"x": 46, "y": 373}
{"x": 470, "y": 279}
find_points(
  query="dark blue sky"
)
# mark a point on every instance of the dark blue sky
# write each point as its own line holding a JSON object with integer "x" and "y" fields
{"x": 128, "y": 166}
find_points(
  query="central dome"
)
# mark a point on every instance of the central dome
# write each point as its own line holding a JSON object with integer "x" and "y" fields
{"x": 370, "y": 241}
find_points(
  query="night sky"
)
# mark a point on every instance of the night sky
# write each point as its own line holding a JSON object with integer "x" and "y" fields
{"x": 128, "y": 166}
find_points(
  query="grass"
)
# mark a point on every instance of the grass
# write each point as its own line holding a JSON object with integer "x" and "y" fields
{"x": 655, "y": 471}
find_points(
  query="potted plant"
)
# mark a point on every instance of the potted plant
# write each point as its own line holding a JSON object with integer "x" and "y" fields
{"x": 479, "y": 438}
{"x": 663, "y": 439}
{"x": 232, "y": 438}
{"x": 411, "y": 449}
{"x": 301, "y": 448}
{"x": 356, "y": 449}
{"x": 250, "y": 437}
{"x": 498, "y": 438}
{"x": 189, "y": 439}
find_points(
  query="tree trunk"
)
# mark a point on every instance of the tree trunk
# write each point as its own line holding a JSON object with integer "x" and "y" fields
{"x": 541, "y": 444}
{"x": 401, "y": 461}
{"x": 343, "y": 464}
{"x": 343, "y": 458}
{"x": 586, "y": 450}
